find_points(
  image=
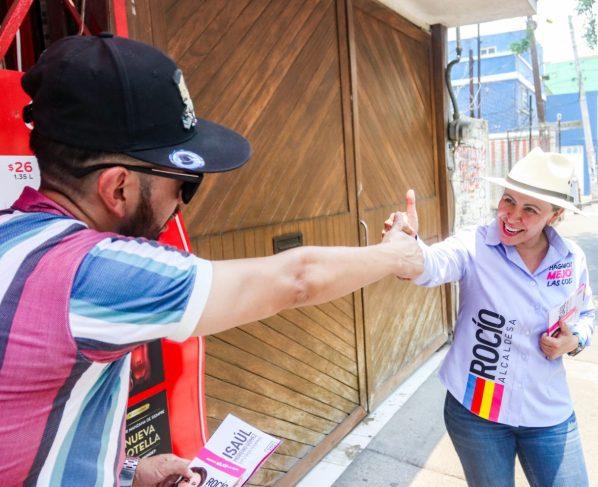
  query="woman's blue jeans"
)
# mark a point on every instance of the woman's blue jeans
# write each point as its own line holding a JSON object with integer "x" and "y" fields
{"x": 550, "y": 456}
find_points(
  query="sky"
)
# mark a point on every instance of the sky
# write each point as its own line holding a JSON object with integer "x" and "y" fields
{"x": 552, "y": 32}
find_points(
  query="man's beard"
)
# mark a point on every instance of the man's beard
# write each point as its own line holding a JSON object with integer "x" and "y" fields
{"x": 142, "y": 223}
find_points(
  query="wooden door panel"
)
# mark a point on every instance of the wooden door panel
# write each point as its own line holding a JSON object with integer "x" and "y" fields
{"x": 395, "y": 140}
{"x": 271, "y": 70}
{"x": 224, "y": 371}
{"x": 294, "y": 374}
{"x": 298, "y": 381}
{"x": 395, "y": 128}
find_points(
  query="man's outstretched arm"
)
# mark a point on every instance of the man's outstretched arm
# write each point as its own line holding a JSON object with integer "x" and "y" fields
{"x": 247, "y": 290}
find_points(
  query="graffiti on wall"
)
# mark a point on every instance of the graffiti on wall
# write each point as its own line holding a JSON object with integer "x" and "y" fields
{"x": 470, "y": 159}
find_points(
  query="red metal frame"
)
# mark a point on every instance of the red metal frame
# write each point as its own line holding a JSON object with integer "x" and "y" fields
{"x": 15, "y": 19}
{"x": 11, "y": 24}
{"x": 121, "y": 26}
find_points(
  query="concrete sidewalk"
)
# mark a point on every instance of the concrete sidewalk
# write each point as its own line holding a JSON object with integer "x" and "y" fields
{"x": 404, "y": 441}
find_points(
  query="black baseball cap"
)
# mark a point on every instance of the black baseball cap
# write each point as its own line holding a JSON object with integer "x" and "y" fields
{"x": 112, "y": 94}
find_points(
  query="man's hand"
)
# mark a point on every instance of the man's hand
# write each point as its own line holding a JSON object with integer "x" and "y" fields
{"x": 160, "y": 471}
{"x": 560, "y": 344}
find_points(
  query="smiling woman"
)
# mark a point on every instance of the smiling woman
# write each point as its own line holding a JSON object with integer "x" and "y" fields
{"x": 521, "y": 221}
{"x": 537, "y": 191}
{"x": 507, "y": 390}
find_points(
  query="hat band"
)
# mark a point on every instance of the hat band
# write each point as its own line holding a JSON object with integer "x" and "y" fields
{"x": 545, "y": 192}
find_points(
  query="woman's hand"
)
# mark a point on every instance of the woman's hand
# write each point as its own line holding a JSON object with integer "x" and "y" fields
{"x": 559, "y": 344}
{"x": 401, "y": 228}
{"x": 409, "y": 220}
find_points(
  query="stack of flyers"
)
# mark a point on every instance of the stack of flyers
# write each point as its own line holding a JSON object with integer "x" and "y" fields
{"x": 231, "y": 456}
{"x": 567, "y": 311}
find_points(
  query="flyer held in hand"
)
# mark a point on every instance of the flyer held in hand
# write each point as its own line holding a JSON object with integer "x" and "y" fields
{"x": 233, "y": 454}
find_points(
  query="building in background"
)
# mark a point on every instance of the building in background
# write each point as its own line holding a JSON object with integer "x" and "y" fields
{"x": 498, "y": 86}
{"x": 505, "y": 88}
{"x": 563, "y": 111}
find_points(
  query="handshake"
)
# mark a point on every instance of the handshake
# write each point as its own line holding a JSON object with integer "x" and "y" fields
{"x": 400, "y": 230}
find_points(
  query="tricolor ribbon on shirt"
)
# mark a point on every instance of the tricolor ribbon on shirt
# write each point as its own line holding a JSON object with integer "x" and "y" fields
{"x": 483, "y": 397}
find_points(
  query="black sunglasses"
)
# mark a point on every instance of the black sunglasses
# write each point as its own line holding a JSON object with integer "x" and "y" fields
{"x": 190, "y": 185}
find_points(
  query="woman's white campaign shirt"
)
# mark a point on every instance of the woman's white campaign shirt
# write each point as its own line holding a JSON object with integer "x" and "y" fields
{"x": 495, "y": 366}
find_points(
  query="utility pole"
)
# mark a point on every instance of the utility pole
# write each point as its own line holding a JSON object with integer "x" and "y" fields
{"x": 583, "y": 105}
{"x": 471, "y": 90}
{"x": 559, "y": 117}
{"x": 531, "y": 27}
{"x": 479, "y": 94}
{"x": 531, "y": 108}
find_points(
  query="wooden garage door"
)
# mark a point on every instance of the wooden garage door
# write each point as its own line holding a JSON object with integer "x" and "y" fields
{"x": 395, "y": 151}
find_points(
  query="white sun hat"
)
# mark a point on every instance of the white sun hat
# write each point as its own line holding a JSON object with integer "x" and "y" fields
{"x": 547, "y": 176}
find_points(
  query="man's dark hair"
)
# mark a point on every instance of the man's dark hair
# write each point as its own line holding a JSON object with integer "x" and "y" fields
{"x": 57, "y": 162}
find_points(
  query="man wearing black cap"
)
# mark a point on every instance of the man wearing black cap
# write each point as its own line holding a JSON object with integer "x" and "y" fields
{"x": 119, "y": 149}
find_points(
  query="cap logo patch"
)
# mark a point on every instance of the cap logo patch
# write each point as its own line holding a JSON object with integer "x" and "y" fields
{"x": 188, "y": 116}
{"x": 186, "y": 159}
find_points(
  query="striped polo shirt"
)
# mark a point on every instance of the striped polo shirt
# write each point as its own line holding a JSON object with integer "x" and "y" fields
{"x": 73, "y": 303}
